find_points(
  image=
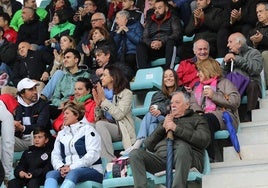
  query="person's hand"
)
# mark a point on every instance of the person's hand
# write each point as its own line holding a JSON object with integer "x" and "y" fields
{"x": 154, "y": 112}
{"x": 98, "y": 94}
{"x": 56, "y": 55}
{"x": 256, "y": 38}
{"x": 18, "y": 126}
{"x": 44, "y": 77}
{"x": 229, "y": 57}
{"x": 122, "y": 28}
{"x": 22, "y": 174}
{"x": 64, "y": 170}
{"x": 28, "y": 176}
{"x": 86, "y": 49}
{"x": 208, "y": 92}
{"x": 169, "y": 123}
{"x": 99, "y": 72}
{"x": 188, "y": 89}
{"x": 156, "y": 44}
{"x": 235, "y": 15}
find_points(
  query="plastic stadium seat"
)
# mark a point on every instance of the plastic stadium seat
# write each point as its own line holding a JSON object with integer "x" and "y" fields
{"x": 187, "y": 39}
{"x": 147, "y": 79}
{"x": 138, "y": 111}
{"x": 192, "y": 176}
{"x": 119, "y": 145}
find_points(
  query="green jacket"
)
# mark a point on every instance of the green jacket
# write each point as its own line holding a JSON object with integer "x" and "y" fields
{"x": 65, "y": 87}
{"x": 191, "y": 128}
{"x": 17, "y": 20}
{"x": 67, "y": 28}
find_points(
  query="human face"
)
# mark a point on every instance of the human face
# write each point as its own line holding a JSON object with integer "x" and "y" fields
{"x": 121, "y": 20}
{"x": 201, "y": 76}
{"x": 102, "y": 59}
{"x": 40, "y": 140}
{"x": 70, "y": 61}
{"x": 151, "y": 3}
{"x": 160, "y": 10}
{"x": 56, "y": 19}
{"x": 59, "y": 4}
{"x": 30, "y": 95}
{"x": 169, "y": 79}
{"x": 97, "y": 20}
{"x": 202, "y": 3}
{"x": 262, "y": 14}
{"x": 97, "y": 36}
{"x": 201, "y": 50}
{"x": 127, "y": 4}
{"x": 23, "y": 49}
{"x": 3, "y": 23}
{"x": 69, "y": 118}
{"x": 80, "y": 90}
{"x": 89, "y": 6}
{"x": 178, "y": 105}
{"x": 26, "y": 14}
{"x": 31, "y": 3}
{"x": 65, "y": 43}
{"x": 233, "y": 44}
{"x": 106, "y": 79}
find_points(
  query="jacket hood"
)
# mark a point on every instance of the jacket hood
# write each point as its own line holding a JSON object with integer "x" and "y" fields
{"x": 167, "y": 16}
{"x": 10, "y": 102}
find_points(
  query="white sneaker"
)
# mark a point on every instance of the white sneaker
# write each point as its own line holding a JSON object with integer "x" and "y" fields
{"x": 127, "y": 151}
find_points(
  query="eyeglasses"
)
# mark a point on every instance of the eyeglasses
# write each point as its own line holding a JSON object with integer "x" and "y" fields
{"x": 94, "y": 20}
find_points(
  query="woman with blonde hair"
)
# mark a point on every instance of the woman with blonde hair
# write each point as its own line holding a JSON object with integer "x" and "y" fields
{"x": 212, "y": 96}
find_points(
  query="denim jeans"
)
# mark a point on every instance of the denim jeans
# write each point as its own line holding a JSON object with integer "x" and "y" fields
{"x": 72, "y": 178}
{"x": 148, "y": 124}
{"x": 52, "y": 83}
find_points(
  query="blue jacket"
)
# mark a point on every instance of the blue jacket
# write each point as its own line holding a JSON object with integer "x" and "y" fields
{"x": 132, "y": 38}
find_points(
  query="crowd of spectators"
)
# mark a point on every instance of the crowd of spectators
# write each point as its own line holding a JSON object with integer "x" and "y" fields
{"x": 88, "y": 51}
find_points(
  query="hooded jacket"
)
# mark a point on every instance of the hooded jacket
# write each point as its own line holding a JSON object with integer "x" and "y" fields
{"x": 10, "y": 102}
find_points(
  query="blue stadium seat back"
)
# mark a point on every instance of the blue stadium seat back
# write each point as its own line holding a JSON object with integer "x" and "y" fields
{"x": 44, "y": 3}
{"x": 119, "y": 145}
{"x": 142, "y": 110}
{"x": 147, "y": 79}
{"x": 188, "y": 39}
{"x": 158, "y": 62}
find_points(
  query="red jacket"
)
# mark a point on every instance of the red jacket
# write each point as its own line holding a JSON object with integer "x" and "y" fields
{"x": 89, "y": 114}
{"x": 11, "y": 35}
{"x": 10, "y": 102}
{"x": 187, "y": 73}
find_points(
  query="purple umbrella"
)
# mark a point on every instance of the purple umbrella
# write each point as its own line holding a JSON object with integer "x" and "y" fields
{"x": 232, "y": 132}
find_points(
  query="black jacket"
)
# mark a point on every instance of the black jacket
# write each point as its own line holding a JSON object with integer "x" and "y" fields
{"x": 35, "y": 160}
{"x": 34, "y": 32}
{"x": 32, "y": 66}
{"x": 8, "y": 53}
{"x": 38, "y": 113}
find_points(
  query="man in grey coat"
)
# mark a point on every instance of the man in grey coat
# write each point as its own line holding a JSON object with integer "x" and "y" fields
{"x": 191, "y": 137}
{"x": 249, "y": 62}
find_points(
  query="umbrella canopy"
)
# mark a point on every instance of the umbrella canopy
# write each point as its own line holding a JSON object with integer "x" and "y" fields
{"x": 169, "y": 165}
{"x": 229, "y": 124}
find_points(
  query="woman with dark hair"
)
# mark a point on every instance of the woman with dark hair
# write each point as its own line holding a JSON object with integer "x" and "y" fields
{"x": 98, "y": 37}
{"x": 115, "y": 122}
{"x": 61, "y": 25}
{"x": 82, "y": 94}
{"x": 76, "y": 154}
{"x": 158, "y": 110}
{"x": 212, "y": 96}
{"x": 55, "y": 5}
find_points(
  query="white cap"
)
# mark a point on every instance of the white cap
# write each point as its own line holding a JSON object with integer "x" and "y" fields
{"x": 26, "y": 83}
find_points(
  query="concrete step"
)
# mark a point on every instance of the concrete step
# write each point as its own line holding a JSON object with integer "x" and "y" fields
{"x": 250, "y": 179}
{"x": 264, "y": 103}
{"x": 247, "y": 152}
{"x": 259, "y": 115}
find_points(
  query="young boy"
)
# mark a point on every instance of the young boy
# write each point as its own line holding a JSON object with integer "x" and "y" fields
{"x": 35, "y": 162}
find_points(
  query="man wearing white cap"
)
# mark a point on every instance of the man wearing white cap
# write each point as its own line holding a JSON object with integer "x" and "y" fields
{"x": 32, "y": 111}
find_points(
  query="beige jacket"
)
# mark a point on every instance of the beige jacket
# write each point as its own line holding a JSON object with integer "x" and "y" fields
{"x": 120, "y": 110}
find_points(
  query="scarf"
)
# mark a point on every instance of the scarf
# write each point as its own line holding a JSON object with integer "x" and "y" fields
{"x": 84, "y": 98}
{"x": 206, "y": 103}
{"x": 109, "y": 96}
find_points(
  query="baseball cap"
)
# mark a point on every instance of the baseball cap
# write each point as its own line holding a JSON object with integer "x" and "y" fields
{"x": 26, "y": 83}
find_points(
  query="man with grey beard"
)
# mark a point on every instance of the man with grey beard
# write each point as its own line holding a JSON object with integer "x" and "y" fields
{"x": 161, "y": 34}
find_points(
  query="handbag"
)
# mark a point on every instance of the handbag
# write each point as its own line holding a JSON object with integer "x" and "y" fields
{"x": 240, "y": 81}
{"x": 120, "y": 167}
